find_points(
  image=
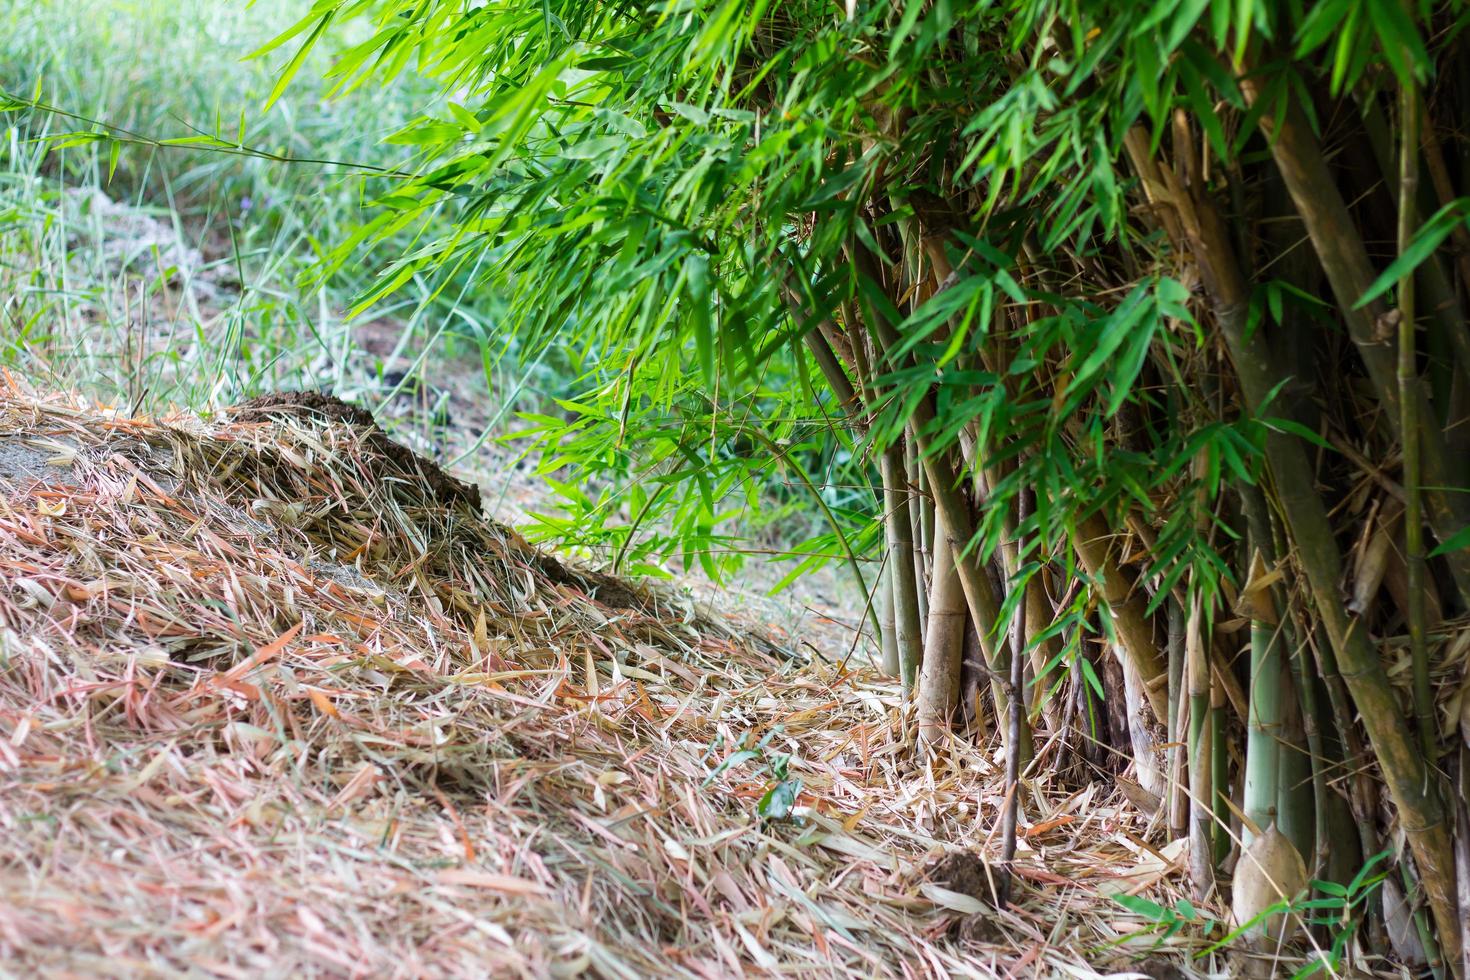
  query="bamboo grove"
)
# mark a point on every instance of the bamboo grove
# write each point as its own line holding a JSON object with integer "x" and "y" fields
{"x": 1136, "y": 334}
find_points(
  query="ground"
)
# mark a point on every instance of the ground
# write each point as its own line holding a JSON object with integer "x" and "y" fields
{"x": 268, "y": 704}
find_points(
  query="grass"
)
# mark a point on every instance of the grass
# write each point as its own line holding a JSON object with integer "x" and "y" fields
{"x": 93, "y": 301}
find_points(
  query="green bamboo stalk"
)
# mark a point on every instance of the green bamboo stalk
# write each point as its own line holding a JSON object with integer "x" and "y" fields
{"x": 1262, "y": 727}
{"x": 1295, "y": 798}
{"x": 1220, "y": 794}
{"x": 887, "y": 624}
{"x": 908, "y": 633}
{"x": 920, "y": 534}
{"x": 1447, "y": 329}
{"x": 1409, "y": 424}
{"x": 1302, "y": 799}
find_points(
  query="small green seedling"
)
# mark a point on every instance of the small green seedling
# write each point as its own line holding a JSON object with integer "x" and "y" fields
{"x": 782, "y": 788}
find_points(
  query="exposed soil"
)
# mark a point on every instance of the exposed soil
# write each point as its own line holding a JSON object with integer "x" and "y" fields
{"x": 21, "y": 464}
{"x": 964, "y": 872}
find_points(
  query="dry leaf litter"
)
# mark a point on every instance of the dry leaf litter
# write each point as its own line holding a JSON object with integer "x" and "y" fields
{"x": 275, "y": 699}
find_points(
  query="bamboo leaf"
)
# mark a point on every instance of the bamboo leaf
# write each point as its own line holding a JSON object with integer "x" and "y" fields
{"x": 1428, "y": 238}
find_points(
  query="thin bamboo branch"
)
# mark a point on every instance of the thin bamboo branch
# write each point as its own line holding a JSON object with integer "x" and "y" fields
{"x": 1409, "y": 422}
{"x": 1016, "y": 720}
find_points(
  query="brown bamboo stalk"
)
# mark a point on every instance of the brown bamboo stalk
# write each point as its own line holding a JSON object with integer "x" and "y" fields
{"x": 1038, "y": 618}
{"x": 953, "y": 519}
{"x": 1013, "y": 742}
{"x": 939, "y": 672}
{"x": 1128, "y": 616}
{"x": 1201, "y": 788}
{"x": 1126, "y": 605}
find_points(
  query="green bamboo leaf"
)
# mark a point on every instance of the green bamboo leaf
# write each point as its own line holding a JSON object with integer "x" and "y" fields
{"x": 1296, "y": 429}
{"x": 1399, "y": 40}
{"x": 294, "y": 65}
{"x": 1455, "y": 542}
{"x": 1426, "y": 240}
{"x": 777, "y": 802}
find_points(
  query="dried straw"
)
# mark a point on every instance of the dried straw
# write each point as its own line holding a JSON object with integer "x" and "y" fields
{"x": 269, "y": 704}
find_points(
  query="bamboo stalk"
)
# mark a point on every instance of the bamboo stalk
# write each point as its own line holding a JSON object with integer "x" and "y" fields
{"x": 1013, "y": 742}
{"x": 887, "y": 623}
{"x": 1178, "y": 802}
{"x": 1220, "y": 788}
{"x": 1302, "y": 799}
{"x": 939, "y": 673}
{"x": 908, "y": 634}
{"x": 1350, "y": 273}
{"x": 1439, "y": 175}
{"x": 953, "y": 521}
{"x": 1125, "y": 604}
{"x": 1263, "y": 723}
{"x": 1408, "y": 378}
{"x": 1038, "y": 618}
{"x": 1404, "y": 767}
{"x": 952, "y": 515}
{"x": 1201, "y": 785}
{"x": 922, "y": 548}
{"x": 1312, "y": 726}
{"x": 1295, "y": 792}
{"x": 1441, "y": 303}
{"x": 925, "y": 523}
{"x": 1462, "y": 852}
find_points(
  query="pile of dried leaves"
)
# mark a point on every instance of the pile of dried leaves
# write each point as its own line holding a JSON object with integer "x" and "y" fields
{"x": 275, "y": 698}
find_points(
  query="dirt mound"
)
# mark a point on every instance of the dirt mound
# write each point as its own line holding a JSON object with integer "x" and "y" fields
{"x": 275, "y": 699}
{"x": 398, "y": 461}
